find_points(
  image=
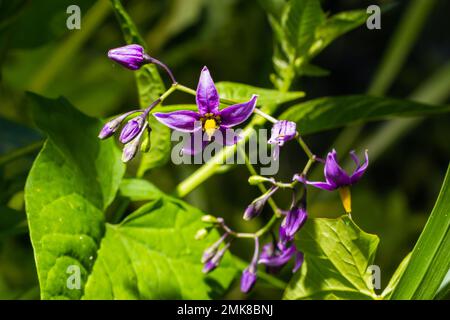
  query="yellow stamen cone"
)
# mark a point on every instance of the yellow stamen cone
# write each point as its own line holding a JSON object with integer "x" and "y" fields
{"x": 346, "y": 199}
{"x": 210, "y": 127}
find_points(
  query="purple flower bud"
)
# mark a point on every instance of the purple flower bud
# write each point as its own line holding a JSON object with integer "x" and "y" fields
{"x": 282, "y": 131}
{"x": 248, "y": 280}
{"x": 131, "y": 56}
{"x": 254, "y": 209}
{"x": 110, "y": 127}
{"x": 214, "y": 262}
{"x": 131, "y": 148}
{"x": 209, "y": 252}
{"x": 131, "y": 129}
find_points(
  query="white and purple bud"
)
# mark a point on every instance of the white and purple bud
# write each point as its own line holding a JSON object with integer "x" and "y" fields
{"x": 131, "y": 56}
{"x": 210, "y": 252}
{"x": 214, "y": 262}
{"x": 131, "y": 148}
{"x": 255, "y": 208}
{"x": 131, "y": 129}
{"x": 111, "y": 126}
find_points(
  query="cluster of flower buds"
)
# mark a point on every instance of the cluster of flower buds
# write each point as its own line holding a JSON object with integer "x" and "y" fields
{"x": 135, "y": 132}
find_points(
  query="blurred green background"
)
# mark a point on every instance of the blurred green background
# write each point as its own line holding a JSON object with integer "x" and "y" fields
{"x": 234, "y": 39}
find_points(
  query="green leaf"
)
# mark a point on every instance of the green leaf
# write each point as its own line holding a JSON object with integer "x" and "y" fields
{"x": 429, "y": 261}
{"x": 337, "y": 256}
{"x": 312, "y": 71}
{"x": 139, "y": 190}
{"x": 396, "y": 277}
{"x": 243, "y": 92}
{"x": 72, "y": 181}
{"x": 148, "y": 254}
{"x": 74, "y": 178}
{"x": 300, "y": 20}
{"x": 332, "y": 112}
{"x": 150, "y": 87}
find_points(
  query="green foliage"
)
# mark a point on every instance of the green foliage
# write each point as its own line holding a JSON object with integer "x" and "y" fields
{"x": 74, "y": 178}
{"x": 72, "y": 182}
{"x": 332, "y": 112}
{"x": 429, "y": 262}
{"x": 302, "y": 31}
{"x": 243, "y": 92}
{"x": 337, "y": 255}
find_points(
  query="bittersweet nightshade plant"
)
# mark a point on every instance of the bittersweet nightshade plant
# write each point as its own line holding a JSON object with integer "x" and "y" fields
{"x": 209, "y": 118}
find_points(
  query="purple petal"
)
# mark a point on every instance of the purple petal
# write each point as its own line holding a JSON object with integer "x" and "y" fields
{"x": 355, "y": 159}
{"x": 322, "y": 185}
{"x": 248, "y": 280}
{"x": 183, "y": 120}
{"x": 131, "y": 129}
{"x": 237, "y": 113}
{"x": 207, "y": 96}
{"x": 282, "y": 131}
{"x": 294, "y": 220}
{"x": 334, "y": 174}
{"x": 278, "y": 260}
{"x": 299, "y": 258}
{"x": 209, "y": 266}
{"x": 360, "y": 171}
{"x": 130, "y": 56}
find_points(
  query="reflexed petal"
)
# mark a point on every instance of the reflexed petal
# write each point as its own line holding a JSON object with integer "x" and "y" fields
{"x": 360, "y": 171}
{"x": 183, "y": 120}
{"x": 322, "y": 185}
{"x": 282, "y": 131}
{"x": 334, "y": 174}
{"x": 294, "y": 220}
{"x": 237, "y": 113}
{"x": 207, "y": 96}
{"x": 278, "y": 260}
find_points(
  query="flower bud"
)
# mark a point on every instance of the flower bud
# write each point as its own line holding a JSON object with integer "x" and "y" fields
{"x": 254, "y": 180}
{"x": 131, "y": 56}
{"x": 209, "y": 219}
{"x": 248, "y": 280}
{"x": 211, "y": 264}
{"x": 201, "y": 234}
{"x": 254, "y": 209}
{"x": 131, "y": 129}
{"x": 111, "y": 126}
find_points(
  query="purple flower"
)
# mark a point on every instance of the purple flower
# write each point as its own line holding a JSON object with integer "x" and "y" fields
{"x": 275, "y": 257}
{"x": 282, "y": 131}
{"x": 335, "y": 176}
{"x": 294, "y": 220}
{"x": 248, "y": 279}
{"x": 209, "y": 118}
{"x": 255, "y": 208}
{"x": 131, "y": 56}
{"x": 131, "y": 129}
